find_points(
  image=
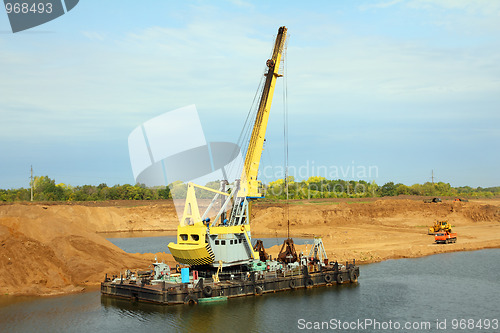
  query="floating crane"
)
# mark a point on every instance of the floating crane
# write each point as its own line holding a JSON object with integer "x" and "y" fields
{"x": 227, "y": 238}
{"x": 224, "y": 264}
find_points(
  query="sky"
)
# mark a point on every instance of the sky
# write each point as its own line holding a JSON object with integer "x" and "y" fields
{"x": 376, "y": 90}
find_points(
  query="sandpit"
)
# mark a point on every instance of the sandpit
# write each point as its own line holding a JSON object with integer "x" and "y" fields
{"x": 58, "y": 248}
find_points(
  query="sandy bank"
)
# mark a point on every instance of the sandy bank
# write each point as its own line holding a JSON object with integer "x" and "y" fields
{"x": 383, "y": 229}
{"x": 46, "y": 250}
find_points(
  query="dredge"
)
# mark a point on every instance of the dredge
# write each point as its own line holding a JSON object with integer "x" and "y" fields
{"x": 218, "y": 254}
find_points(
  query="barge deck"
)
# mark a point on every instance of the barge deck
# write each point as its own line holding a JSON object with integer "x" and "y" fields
{"x": 245, "y": 284}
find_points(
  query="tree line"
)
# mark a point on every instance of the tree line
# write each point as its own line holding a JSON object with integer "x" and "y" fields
{"x": 320, "y": 187}
{"x": 45, "y": 189}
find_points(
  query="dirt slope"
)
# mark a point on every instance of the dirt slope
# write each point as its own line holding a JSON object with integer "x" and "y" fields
{"x": 55, "y": 249}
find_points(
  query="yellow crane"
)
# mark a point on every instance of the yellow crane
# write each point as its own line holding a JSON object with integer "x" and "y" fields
{"x": 227, "y": 238}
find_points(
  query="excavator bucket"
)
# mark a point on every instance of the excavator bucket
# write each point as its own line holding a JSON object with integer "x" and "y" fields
{"x": 287, "y": 253}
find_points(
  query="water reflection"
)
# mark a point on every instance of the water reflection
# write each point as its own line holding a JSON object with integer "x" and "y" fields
{"x": 246, "y": 314}
{"x": 397, "y": 290}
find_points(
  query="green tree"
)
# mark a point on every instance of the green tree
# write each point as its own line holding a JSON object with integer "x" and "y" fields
{"x": 387, "y": 190}
{"x": 402, "y": 189}
{"x": 164, "y": 193}
{"x": 47, "y": 190}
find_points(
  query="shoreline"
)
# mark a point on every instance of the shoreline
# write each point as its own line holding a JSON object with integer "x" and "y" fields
{"x": 472, "y": 249}
{"x": 93, "y": 287}
{"x": 381, "y": 255}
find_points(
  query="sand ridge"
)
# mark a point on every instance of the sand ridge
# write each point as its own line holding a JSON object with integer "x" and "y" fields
{"x": 376, "y": 230}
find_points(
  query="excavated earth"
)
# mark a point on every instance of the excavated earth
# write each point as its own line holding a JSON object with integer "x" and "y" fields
{"x": 58, "y": 248}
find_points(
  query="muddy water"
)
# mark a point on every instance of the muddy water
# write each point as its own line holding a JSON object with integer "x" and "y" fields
{"x": 446, "y": 290}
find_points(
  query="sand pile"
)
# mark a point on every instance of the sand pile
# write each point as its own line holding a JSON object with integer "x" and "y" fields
{"x": 55, "y": 249}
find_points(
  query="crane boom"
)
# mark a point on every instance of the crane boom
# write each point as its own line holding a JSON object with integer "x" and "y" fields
{"x": 249, "y": 183}
{"x": 227, "y": 238}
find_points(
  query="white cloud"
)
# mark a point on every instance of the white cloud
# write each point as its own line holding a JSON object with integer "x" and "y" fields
{"x": 242, "y": 4}
{"x": 94, "y": 85}
{"x": 379, "y": 5}
{"x": 90, "y": 86}
{"x": 462, "y": 16}
{"x": 94, "y": 35}
{"x": 385, "y": 69}
{"x": 483, "y": 7}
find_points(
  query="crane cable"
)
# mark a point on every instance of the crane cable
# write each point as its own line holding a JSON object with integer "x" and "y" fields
{"x": 246, "y": 131}
{"x": 244, "y": 136}
{"x": 285, "y": 132}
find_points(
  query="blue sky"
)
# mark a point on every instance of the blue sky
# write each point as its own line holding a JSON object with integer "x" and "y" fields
{"x": 403, "y": 86}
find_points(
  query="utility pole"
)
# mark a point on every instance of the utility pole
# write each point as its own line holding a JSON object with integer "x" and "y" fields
{"x": 31, "y": 183}
{"x": 432, "y": 177}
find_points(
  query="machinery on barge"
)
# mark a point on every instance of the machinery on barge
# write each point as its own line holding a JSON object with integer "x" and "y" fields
{"x": 217, "y": 250}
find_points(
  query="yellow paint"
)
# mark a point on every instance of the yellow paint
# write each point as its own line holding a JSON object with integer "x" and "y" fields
{"x": 209, "y": 189}
{"x": 191, "y": 213}
{"x": 190, "y": 253}
{"x": 191, "y": 231}
{"x": 236, "y": 229}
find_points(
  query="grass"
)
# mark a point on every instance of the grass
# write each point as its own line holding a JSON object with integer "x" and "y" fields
{"x": 326, "y": 201}
{"x": 306, "y": 202}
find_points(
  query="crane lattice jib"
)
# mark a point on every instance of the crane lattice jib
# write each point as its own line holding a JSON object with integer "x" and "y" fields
{"x": 250, "y": 185}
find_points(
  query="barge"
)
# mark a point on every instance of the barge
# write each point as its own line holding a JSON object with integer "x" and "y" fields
{"x": 255, "y": 283}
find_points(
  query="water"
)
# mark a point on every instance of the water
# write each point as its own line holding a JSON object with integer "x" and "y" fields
{"x": 462, "y": 285}
{"x": 159, "y": 243}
